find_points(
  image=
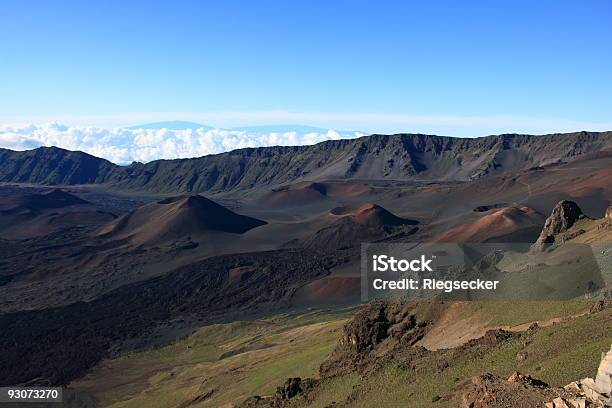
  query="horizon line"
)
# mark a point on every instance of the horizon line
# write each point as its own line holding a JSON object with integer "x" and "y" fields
{"x": 366, "y": 122}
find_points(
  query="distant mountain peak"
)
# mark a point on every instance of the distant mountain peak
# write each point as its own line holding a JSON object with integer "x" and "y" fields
{"x": 172, "y": 125}
{"x": 281, "y": 128}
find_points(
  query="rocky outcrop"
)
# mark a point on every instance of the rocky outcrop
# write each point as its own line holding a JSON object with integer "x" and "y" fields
{"x": 376, "y": 323}
{"x": 518, "y": 391}
{"x": 606, "y": 225}
{"x": 377, "y": 331}
{"x": 564, "y": 215}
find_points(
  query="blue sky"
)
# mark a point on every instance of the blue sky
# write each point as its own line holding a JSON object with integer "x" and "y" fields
{"x": 459, "y": 68}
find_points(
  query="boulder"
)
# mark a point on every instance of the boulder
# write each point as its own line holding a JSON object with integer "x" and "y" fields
{"x": 603, "y": 381}
{"x": 517, "y": 377}
{"x": 290, "y": 389}
{"x": 578, "y": 402}
{"x": 559, "y": 403}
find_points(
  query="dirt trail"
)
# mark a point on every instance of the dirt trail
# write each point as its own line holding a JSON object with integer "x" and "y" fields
{"x": 542, "y": 323}
{"x": 456, "y": 327}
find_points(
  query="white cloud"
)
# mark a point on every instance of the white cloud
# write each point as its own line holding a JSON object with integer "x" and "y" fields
{"x": 124, "y": 145}
{"x": 371, "y": 122}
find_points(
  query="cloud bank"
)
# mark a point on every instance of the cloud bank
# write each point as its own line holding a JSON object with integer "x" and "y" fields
{"x": 452, "y": 125}
{"x": 125, "y": 145}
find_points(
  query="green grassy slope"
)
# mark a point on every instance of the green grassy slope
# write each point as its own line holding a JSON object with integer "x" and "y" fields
{"x": 224, "y": 364}
{"x": 227, "y": 362}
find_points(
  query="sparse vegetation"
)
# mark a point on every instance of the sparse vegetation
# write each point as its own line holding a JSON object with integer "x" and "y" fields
{"x": 237, "y": 360}
{"x": 557, "y": 355}
{"x": 232, "y": 360}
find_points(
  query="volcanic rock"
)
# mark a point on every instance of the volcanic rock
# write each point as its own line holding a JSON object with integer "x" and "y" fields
{"x": 563, "y": 216}
{"x": 379, "y": 330}
{"x": 393, "y": 157}
{"x": 290, "y": 389}
{"x": 519, "y": 391}
{"x": 498, "y": 224}
{"x": 366, "y": 223}
{"x": 517, "y": 377}
{"x": 603, "y": 381}
{"x": 293, "y": 387}
{"x": 175, "y": 218}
